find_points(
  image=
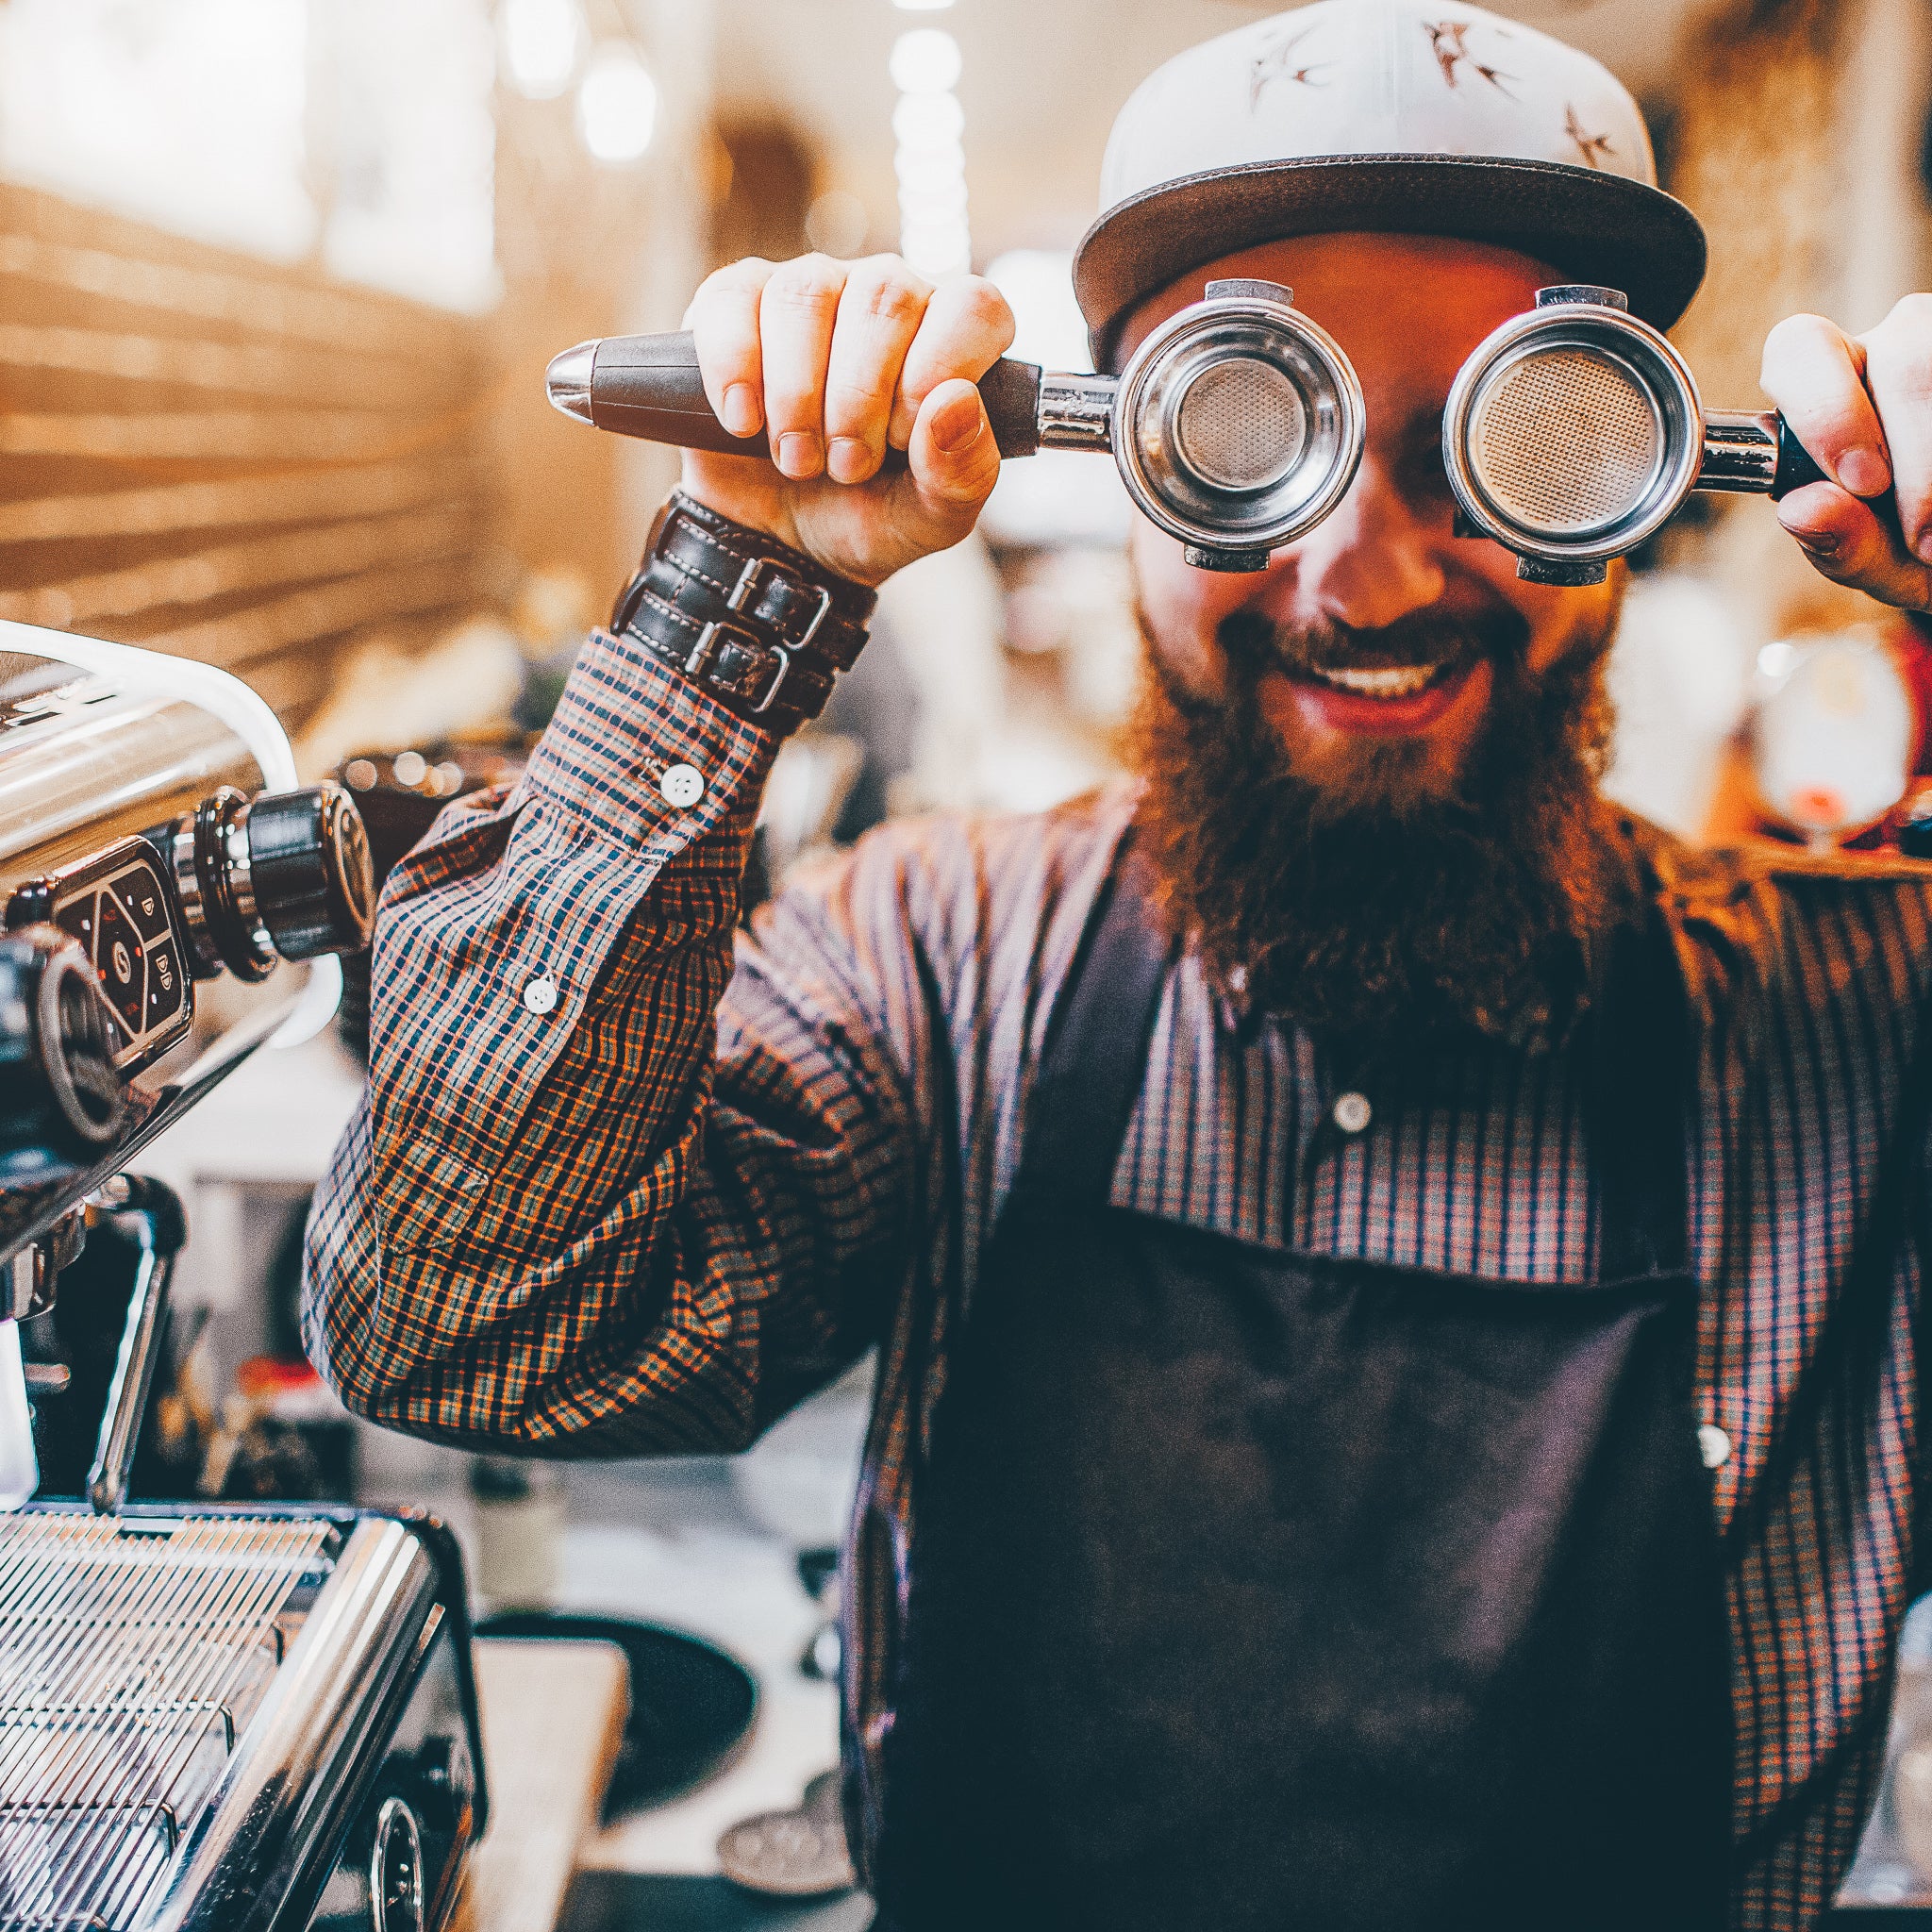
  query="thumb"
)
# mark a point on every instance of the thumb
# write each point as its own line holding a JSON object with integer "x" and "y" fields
{"x": 952, "y": 456}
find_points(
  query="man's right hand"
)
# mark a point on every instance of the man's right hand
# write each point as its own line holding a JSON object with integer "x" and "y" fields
{"x": 834, "y": 361}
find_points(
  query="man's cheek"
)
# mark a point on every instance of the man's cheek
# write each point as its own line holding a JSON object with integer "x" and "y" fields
{"x": 1181, "y": 610}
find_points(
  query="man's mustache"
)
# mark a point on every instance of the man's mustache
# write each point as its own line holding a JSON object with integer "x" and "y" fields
{"x": 1255, "y": 642}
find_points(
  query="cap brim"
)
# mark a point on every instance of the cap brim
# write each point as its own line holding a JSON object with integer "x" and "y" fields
{"x": 1590, "y": 226}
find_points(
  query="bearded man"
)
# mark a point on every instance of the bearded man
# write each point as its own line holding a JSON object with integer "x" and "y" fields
{"x": 1395, "y": 1285}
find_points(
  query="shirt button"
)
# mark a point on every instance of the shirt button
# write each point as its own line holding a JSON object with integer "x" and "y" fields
{"x": 540, "y": 994}
{"x": 1353, "y": 1112}
{"x": 1713, "y": 1445}
{"x": 682, "y": 786}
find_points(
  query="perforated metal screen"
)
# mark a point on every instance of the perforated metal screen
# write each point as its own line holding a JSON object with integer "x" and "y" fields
{"x": 1241, "y": 425}
{"x": 1566, "y": 440}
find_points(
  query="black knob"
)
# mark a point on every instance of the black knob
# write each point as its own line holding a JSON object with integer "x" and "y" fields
{"x": 59, "y": 1089}
{"x": 1915, "y": 828}
{"x": 308, "y": 864}
{"x": 438, "y": 1799}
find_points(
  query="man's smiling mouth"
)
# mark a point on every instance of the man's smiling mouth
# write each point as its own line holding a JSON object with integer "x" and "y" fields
{"x": 1389, "y": 681}
{"x": 1379, "y": 700}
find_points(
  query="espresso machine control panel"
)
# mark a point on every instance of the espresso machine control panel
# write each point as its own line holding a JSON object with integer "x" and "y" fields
{"x": 234, "y": 885}
{"x": 120, "y": 909}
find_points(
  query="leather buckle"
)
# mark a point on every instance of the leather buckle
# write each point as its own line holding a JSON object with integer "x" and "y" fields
{"x": 748, "y": 582}
{"x": 699, "y": 663}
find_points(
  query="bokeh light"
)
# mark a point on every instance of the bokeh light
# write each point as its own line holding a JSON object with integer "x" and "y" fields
{"x": 617, "y": 104}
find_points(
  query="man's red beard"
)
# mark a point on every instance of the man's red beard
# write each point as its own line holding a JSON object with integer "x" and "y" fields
{"x": 1382, "y": 909}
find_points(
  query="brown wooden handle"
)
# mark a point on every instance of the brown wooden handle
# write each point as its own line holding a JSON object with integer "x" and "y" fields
{"x": 650, "y": 387}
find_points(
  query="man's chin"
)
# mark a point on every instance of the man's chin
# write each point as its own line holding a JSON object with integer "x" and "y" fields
{"x": 1387, "y": 756}
{"x": 1381, "y": 885}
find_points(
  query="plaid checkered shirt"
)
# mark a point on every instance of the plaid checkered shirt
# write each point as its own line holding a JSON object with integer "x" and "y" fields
{"x": 651, "y": 1215}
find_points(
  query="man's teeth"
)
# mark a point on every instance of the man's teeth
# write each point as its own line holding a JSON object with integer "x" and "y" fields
{"x": 1404, "y": 681}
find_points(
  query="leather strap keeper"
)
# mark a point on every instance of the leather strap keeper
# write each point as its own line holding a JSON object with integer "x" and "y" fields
{"x": 751, "y": 622}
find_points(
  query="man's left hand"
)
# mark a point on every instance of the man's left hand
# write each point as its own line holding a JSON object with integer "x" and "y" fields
{"x": 1862, "y": 406}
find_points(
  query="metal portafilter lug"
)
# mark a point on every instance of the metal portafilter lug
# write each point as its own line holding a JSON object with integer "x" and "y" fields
{"x": 1569, "y": 576}
{"x": 1574, "y": 432}
{"x": 1236, "y": 425}
{"x": 1560, "y": 293}
{"x": 1231, "y": 561}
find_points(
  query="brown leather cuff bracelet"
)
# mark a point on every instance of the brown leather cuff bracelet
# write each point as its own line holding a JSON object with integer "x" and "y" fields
{"x": 754, "y": 624}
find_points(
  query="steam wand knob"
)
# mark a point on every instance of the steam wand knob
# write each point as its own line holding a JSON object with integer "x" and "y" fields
{"x": 285, "y": 876}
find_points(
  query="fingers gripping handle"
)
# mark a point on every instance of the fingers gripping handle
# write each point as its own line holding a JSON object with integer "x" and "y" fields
{"x": 651, "y": 386}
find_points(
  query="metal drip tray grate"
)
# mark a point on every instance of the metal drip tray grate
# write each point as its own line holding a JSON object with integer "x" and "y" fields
{"x": 132, "y": 1656}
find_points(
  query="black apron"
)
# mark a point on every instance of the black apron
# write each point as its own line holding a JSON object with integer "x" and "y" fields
{"x": 1262, "y": 1589}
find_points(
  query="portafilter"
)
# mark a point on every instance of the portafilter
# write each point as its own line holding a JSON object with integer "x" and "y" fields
{"x": 1574, "y": 431}
{"x": 1236, "y": 425}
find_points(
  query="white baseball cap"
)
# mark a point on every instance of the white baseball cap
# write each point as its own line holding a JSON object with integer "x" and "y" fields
{"x": 1415, "y": 117}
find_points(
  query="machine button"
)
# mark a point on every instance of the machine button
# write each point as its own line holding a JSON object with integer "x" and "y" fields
{"x": 163, "y": 984}
{"x": 78, "y": 918}
{"x": 140, "y": 891}
{"x": 117, "y": 959}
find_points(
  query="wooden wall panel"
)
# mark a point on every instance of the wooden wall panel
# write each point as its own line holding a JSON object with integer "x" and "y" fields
{"x": 240, "y": 462}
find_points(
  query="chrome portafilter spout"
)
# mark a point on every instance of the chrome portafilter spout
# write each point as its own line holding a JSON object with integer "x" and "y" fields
{"x": 152, "y": 1215}
{"x": 1574, "y": 432}
{"x": 1236, "y": 427}
{"x": 27, "y": 1290}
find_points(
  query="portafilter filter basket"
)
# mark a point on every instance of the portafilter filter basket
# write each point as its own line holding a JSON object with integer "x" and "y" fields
{"x": 1237, "y": 426}
{"x": 1574, "y": 431}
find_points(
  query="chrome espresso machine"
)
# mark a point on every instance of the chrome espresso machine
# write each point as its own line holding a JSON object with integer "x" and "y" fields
{"x": 212, "y": 1718}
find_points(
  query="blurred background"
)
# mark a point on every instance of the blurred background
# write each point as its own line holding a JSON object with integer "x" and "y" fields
{"x": 278, "y": 281}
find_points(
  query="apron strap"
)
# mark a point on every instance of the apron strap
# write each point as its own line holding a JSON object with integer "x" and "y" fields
{"x": 1640, "y": 1083}
{"x": 1095, "y": 1063}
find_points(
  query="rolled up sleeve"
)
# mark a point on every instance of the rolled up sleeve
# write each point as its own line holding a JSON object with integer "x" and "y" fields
{"x": 554, "y": 1222}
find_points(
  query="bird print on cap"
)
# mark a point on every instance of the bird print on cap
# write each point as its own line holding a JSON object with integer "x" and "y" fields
{"x": 1275, "y": 62}
{"x": 1448, "y": 38}
{"x": 1592, "y": 147}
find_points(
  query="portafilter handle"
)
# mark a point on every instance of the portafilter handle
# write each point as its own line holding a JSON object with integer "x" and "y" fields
{"x": 1236, "y": 425}
{"x": 1752, "y": 453}
{"x": 160, "y": 1226}
{"x": 651, "y": 386}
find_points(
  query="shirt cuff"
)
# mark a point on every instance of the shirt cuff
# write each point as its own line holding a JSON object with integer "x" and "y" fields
{"x": 640, "y": 757}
